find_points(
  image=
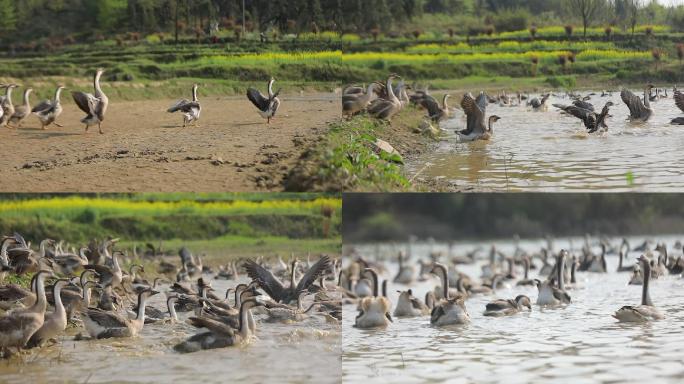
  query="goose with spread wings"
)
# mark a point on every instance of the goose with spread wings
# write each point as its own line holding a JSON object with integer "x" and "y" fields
{"x": 49, "y": 110}
{"x": 267, "y": 106}
{"x": 436, "y": 112}
{"x": 592, "y": 121}
{"x": 275, "y": 289}
{"x": 95, "y": 106}
{"x": 475, "y": 110}
{"x": 639, "y": 110}
{"x": 679, "y": 102}
{"x": 191, "y": 108}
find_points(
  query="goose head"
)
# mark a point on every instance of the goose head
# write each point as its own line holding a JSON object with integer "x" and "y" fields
{"x": 523, "y": 301}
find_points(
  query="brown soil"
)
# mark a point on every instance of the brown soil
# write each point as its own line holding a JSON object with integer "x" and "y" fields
{"x": 144, "y": 148}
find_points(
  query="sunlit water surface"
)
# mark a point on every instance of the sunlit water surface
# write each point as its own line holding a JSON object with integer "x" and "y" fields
{"x": 578, "y": 343}
{"x": 300, "y": 352}
{"x": 547, "y": 151}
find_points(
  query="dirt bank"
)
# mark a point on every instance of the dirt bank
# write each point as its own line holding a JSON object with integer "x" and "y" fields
{"x": 145, "y": 149}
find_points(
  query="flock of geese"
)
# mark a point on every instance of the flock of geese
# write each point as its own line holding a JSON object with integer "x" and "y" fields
{"x": 90, "y": 290}
{"x": 556, "y": 278}
{"x": 385, "y": 100}
{"x": 95, "y": 105}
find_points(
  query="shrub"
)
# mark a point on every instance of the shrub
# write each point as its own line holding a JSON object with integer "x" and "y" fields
{"x": 568, "y": 30}
{"x": 507, "y": 21}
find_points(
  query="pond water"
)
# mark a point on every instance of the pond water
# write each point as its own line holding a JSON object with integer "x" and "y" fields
{"x": 547, "y": 151}
{"x": 578, "y": 343}
{"x": 300, "y": 352}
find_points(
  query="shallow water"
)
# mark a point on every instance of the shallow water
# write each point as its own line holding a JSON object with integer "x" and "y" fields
{"x": 547, "y": 151}
{"x": 578, "y": 343}
{"x": 301, "y": 352}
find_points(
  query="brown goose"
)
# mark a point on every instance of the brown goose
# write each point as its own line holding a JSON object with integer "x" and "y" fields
{"x": 499, "y": 308}
{"x": 266, "y": 106}
{"x": 436, "y": 112}
{"x": 49, "y": 110}
{"x": 102, "y": 324}
{"x": 191, "y": 108}
{"x": 639, "y": 110}
{"x": 21, "y": 112}
{"x": 549, "y": 295}
{"x": 385, "y": 109}
{"x": 646, "y": 311}
{"x": 17, "y": 327}
{"x": 95, "y": 106}
{"x": 475, "y": 112}
{"x": 275, "y": 289}
{"x": 356, "y": 102}
{"x": 6, "y": 105}
{"x": 450, "y": 310}
{"x": 410, "y": 306}
{"x": 55, "y": 322}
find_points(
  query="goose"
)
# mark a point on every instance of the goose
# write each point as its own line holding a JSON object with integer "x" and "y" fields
{"x": 501, "y": 307}
{"x": 385, "y": 109}
{"x": 406, "y": 273}
{"x": 646, "y": 311}
{"x": 108, "y": 275}
{"x": 267, "y": 106}
{"x": 539, "y": 105}
{"x": 67, "y": 264}
{"x": 17, "y": 327}
{"x": 475, "y": 111}
{"x": 450, "y": 310}
{"x": 290, "y": 315}
{"x": 353, "y": 103}
{"x": 275, "y": 289}
{"x": 679, "y": 99}
{"x": 102, "y": 324}
{"x": 592, "y": 121}
{"x": 436, "y": 112}
{"x": 598, "y": 264}
{"x": 191, "y": 109}
{"x": 21, "y": 112}
{"x": 410, "y": 306}
{"x": 55, "y": 322}
{"x": 49, "y": 110}
{"x": 95, "y": 106}
{"x": 374, "y": 311}
{"x": 363, "y": 288}
{"x": 219, "y": 335}
{"x": 526, "y": 280}
{"x": 639, "y": 111}
{"x": 6, "y": 105}
{"x": 549, "y": 295}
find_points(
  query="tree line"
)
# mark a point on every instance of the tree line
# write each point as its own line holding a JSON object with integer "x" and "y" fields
{"x": 25, "y": 19}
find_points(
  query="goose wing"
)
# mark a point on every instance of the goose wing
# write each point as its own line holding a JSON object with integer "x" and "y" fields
{"x": 498, "y": 305}
{"x": 106, "y": 319}
{"x": 314, "y": 273}
{"x": 86, "y": 102}
{"x": 634, "y": 103}
{"x": 561, "y": 295}
{"x": 43, "y": 107}
{"x": 475, "y": 112}
{"x": 258, "y": 99}
{"x": 583, "y": 105}
{"x": 679, "y": 99}
{"x": 269, "y": 283}
{"x": 428, "y": 102}
{"x": 180, "y": 105}
{"x": 212, "y": 325}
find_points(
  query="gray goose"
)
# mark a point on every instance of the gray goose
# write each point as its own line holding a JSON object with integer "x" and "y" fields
{"x": 21, "y": 112}
{"x": 102, "y": 324}
{"x": 502, "y": 307}
{"x": 410, "y": 306}
{"x": 639, "y": 110}
{"x": 55, "y": 322}
{"x": 275, "y": 289}
{"x": 436, "y": 112}
{"x": 353, "y": 103}
{"x": 679, "y": 102}
{"x": 539, "y": 105}
{"x": 475, "y": 124}
{"x": 17, "y": 327}
{"x": 450, "y": 310}
{"x": 266, "y": 106}
{"x": 592, "y": 121}
{"x": 95, "y": 106}
{"x": 386, "y": 108}
{"x": 191, "y": 108}
{"x": 219, "y": 335}
{"x": 549, "y": 295}
{"x": 646, "y": 311}
{"x": 6, "y": 105}
{"x": 49, "y": 110}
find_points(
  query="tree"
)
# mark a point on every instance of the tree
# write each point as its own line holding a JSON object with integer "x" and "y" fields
{"x": 8, "y": 16}
{"x": 587, "y": 10}
{"x": 633, "y": 12}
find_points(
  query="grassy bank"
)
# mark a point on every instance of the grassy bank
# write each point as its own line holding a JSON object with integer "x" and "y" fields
{"x": 348, "y": 159}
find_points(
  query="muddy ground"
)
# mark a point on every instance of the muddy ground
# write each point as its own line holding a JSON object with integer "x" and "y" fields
{"x": 145, "y": 149}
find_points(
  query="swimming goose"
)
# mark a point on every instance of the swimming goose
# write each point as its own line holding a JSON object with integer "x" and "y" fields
{"x": 410, "y": 306}
{"x": 549, "y": 295}
{"x": 191, "y": 108}
{"x": 289, "y": 314}
{"x": 450, "y": 310}
{"x": 598, "y": 264}
{"x": 55, "y": 322}
{"x": 539, "y": 105}
{"x": 501, "y": 307}
{"x": 386, "y": 108}
{"x": 475, "y": 111}
{"x": 219, "y": 335}
{"x": 646, "y": 311}
{"x": 679, "y": 99}
{"x": 639, "y": 111}
{"x": 374, "y": 311}
{"x": 406, "y": 273}
{"x": 17, "y": 327}
{"x": 267, "y": 106}
{"x": 592, "y": 121}
{"x": 275, "y": 289}
{"x": 353, "y": 103}
{"x": 102, "y": 324}
{"x": 49, "y": 110}
{"x": 6, "y": 105}
{"x": 21, "y": 112}
{"x": 526, "y": 280}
